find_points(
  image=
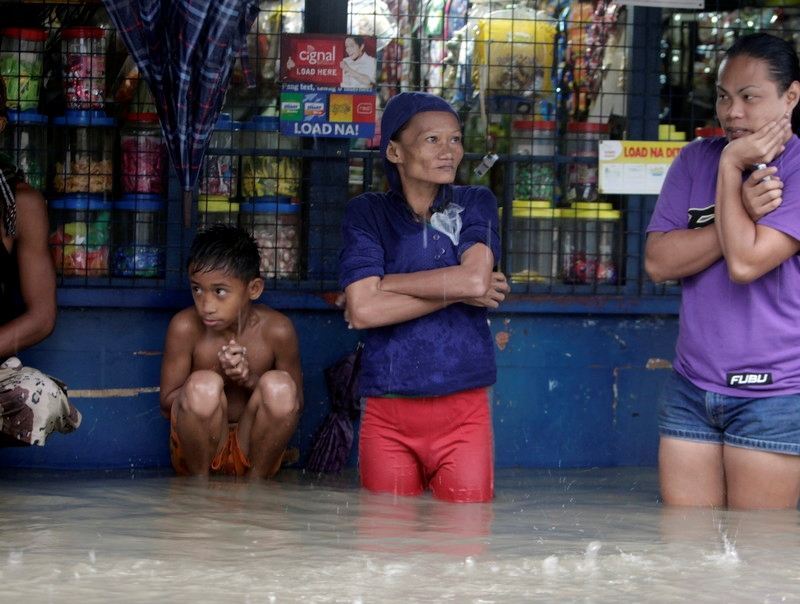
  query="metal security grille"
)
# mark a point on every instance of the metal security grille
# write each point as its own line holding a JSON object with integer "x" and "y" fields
{"x": 693, "y": 44}
{"x": 537, "y": 85}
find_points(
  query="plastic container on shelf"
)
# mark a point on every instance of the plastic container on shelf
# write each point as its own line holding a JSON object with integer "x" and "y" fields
{"x": 535, "y": 179}
{"x": 590, "y": 250}
{"x": 265, "y": 174}
{"x": 26, "y": 143}
{"x": 533, "y": 242}
{"x": 83, "y": 52}
{"x": 143, "y": 155}
{"x": 80, "y": 235}
{"x": 583, "y": 141}
{"x": 216, "y": 209}
{"x": 139, "y": 236}
{"x": 21, "y": 60}
{"x": 571, "y": 254}
{"x": 275, "y": 224}
{"x": 84, "y": 143}
{"x": 355, "y": 176}
{"x": 220, "y": 174}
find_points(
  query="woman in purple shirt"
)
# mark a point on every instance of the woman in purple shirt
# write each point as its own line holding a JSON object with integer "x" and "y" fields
{"x": 727, "y": 223}
{"x": 417, "y": 271}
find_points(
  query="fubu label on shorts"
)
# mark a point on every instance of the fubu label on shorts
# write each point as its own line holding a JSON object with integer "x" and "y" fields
{"x": 740, "y": 380}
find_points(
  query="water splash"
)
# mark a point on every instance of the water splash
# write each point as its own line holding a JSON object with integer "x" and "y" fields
{"x": 589, "y": 562}
{"x": 728, "y": 556}
{"x": 551, "y": 566}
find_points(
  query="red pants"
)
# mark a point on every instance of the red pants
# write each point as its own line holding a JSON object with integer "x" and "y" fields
{"x": 441, "y": 442}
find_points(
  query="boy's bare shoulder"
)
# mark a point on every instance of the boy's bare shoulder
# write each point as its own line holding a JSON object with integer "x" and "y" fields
{"x": 275, "y": 323}
{"x": 186, "y": 324}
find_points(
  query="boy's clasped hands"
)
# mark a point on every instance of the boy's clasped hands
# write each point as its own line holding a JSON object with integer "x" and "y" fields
{"x": 233, "y": 360}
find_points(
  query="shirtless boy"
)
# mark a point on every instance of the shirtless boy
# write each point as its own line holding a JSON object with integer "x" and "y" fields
{"x": 231, "y": 382}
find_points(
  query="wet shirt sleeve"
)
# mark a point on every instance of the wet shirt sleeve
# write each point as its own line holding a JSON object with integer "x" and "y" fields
{"x": 362, "y": 253}
{"x": 480, "y": 222}
{"x": 671, "y": 209}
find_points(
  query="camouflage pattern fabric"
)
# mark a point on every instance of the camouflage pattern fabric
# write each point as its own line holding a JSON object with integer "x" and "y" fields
{"x": 33, "y": 405}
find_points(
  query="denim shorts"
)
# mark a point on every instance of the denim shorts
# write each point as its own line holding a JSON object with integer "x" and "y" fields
{"x": 768, "y": 424}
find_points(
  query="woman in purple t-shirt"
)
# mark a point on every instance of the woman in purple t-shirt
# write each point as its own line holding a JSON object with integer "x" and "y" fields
{"x": 727, "y": 223}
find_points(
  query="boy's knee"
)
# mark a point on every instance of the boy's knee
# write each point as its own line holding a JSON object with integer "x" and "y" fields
{"x": 279, "y": 393}
{"x": 202, "y": 393}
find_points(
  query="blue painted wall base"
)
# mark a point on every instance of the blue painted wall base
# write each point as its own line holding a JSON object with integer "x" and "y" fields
{"x": 572, "y": 391}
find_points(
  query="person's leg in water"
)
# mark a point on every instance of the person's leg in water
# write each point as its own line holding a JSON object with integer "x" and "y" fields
{"x": 762, "y": 452}
{"x": 444, "y": 442}
{"x": 690, "y": 448}
{"x": 199, "y": 423}
{"x": 387, "y": 461}
{"x": 698, "y": 474}
{"x": 735, "y": 451}
{"x": 761, "y": 479}
{"x": 462, "y": 455}
{"x": 268, "y": 422}
{"x": 691, "y": 473}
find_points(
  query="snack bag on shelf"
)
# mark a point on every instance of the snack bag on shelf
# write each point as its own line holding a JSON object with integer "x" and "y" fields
{"x": 513, "y": 55}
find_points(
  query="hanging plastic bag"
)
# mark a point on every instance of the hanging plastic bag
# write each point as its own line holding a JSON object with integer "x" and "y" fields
{"x": 514, "y": 50}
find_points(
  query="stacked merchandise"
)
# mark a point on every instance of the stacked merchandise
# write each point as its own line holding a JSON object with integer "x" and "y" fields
{"x": 83, "y": 173}
{"x": 694, "y": 43}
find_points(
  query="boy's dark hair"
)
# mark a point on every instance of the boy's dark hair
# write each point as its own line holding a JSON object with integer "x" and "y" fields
{"x": 784, "y": 66}
{"x": 226, "y": 248}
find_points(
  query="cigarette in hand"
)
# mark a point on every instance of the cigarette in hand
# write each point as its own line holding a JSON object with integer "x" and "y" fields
{"x": 761, "y": 167}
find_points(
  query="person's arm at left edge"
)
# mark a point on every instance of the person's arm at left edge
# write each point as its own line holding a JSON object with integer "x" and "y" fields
{"x": 37, "y": 276}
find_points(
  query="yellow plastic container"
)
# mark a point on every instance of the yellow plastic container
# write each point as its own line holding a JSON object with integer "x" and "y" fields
{"x": 533, "y": 242}
{"x": 590, "y": 243}
{"x": 216, "y": 209}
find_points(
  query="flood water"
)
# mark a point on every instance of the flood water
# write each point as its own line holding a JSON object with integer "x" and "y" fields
{"x": 551, "y": 535}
